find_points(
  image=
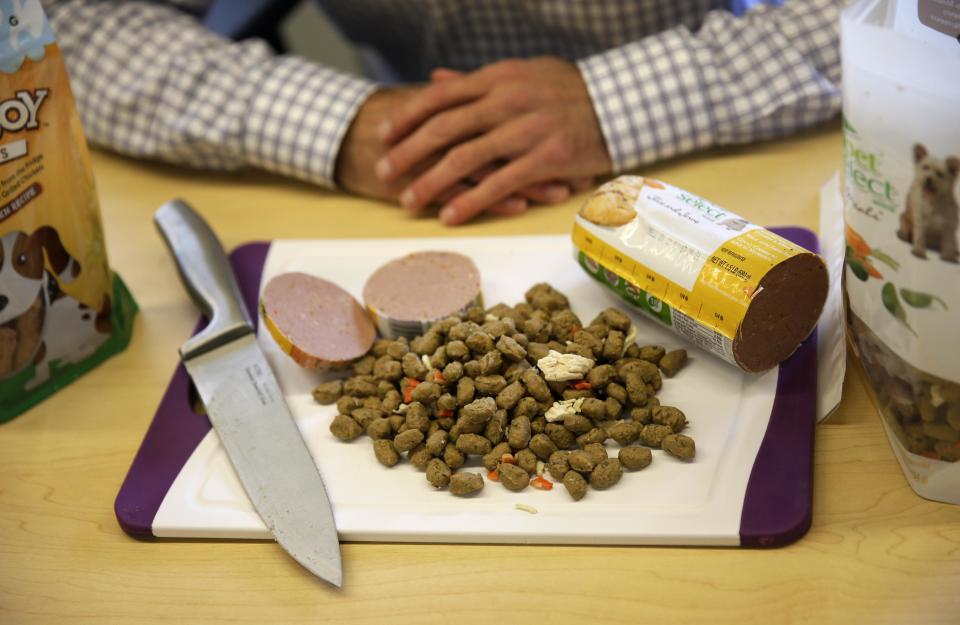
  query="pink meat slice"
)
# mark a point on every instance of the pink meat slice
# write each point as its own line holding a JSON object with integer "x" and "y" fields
{"x": 423, "y": 286}
{"x": 318, "y": 317}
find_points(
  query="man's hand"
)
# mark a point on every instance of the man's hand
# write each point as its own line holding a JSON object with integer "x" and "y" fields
{"x": 362, "y": 148}
{"x": 534, "y": 115}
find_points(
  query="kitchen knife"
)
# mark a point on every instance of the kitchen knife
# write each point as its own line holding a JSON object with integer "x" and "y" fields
{"x": 244, "y": 402}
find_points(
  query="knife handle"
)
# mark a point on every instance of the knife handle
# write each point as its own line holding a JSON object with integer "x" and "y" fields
{"x": 206, "y": 274}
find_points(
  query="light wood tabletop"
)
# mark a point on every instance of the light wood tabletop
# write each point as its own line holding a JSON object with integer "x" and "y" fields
{"x": 876, "y": 553}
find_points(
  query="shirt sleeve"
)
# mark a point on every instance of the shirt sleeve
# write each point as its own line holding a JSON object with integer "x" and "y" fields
{"x": 737, "y": 79}
{"x": 150, "y": 81}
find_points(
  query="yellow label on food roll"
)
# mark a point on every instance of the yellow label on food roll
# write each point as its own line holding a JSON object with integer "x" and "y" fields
{"x": 694, "y": 256}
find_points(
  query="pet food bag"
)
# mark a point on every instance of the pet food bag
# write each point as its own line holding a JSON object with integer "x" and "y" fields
{"x": 901, "y": 106}
{"x": 62, "y": 310}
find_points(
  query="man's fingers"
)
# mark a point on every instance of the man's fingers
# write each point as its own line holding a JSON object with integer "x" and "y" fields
{"x": 581, "y": 184}
{"x": 438, "y": 133}
{"x": 513, "y": 205}
{"x": 444, "y": 73}
{"x": 431, "y": 100}
{"x": 494, "y": 188}
{"x": 460, "y": 162}
{"x": 552, "y": 192}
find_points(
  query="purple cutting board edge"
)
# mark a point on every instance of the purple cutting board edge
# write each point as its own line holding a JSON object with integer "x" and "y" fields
{"x": 777, "y": 506}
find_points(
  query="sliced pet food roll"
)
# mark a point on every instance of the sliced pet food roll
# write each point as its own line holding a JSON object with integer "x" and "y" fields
{"x": 408, "y": 294}
{"x": 315, "y": 322}
{"x": 731, "y": 287}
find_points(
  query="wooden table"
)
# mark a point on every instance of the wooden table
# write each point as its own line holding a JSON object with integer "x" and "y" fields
{"x": 877, "y": 553}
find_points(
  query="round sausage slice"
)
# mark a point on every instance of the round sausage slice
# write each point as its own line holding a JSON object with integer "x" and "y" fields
{"x": 408, "y": 294}
{"x": 315, "y": 322}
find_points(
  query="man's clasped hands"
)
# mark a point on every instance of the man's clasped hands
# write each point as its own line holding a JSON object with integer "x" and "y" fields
{"x": 496, "y": 140}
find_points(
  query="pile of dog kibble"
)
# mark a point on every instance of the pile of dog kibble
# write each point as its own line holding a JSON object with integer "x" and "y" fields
{"x": 528, "y": 388}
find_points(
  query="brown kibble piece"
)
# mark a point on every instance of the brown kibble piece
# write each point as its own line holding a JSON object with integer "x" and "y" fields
{"x": 526, "y": 460}
{"x": 465, "y": 391}
{"x": 361, "y": 386}
{"x": 673, "y": 362}
{"x": 328, "y": 392}
{"x": 542, "y": 296}
{"x": 558, "y": 465}
{"x": 492, "y": 459}
{"x": 600, "y": 376}
{"x": 596, "y": 435}
{"x": 413, "y": 366}
{"x": 490, "y": 385}
{"x": 510, "y": 395}
{"x": 453, "y": 456}
{"x": 635, "y": 458}
{"x": 625, "y": 432}
{"x": 640, "y": 415}
{"x": 345, "y": 428}
{"x": 560, "y": 435}
{"x": 669, "y": 416}
{"x": 518, "y": 434}
{"x": 597, "y": 452}
{"x": 473, "y": 444}
{"x": 581, "y": 461}
{"x": 575, "y": 484}
{"x": 679, "y": 446}
{"x": 436, "y": 442}
{"x": 438, "y": 473}
{"x": 606, "y": 474}
{"x": 513, "y": 477}
{"x": 652, "y": 353}
{"x": 652, "y": 435}
{"x": 407, "y": 440}
{"x": 510, "y": 349}
{"x": 464, "y": 484}
{"x": 384, "y": 451}
{"x": 536, "y": 385}
{"x": 613, "y": 345}
{"x": 379, "y": 428}
{"x": 490, "y": 363}
{"x": 427, "y": 393}
{"x": 479, "y": 342}
{"x": 613, "y": 407}
{"x": 577, "y": 423}
{"x": 419, "y": 457}
{"x": 542, "y": 446}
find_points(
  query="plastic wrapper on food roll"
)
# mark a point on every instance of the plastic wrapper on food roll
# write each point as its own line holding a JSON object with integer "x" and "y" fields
{"x": 62, "y": 311}
{"x": 730, "y": 287}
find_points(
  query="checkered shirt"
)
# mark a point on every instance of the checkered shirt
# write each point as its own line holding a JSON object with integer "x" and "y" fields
{"x": 666, "y": 77}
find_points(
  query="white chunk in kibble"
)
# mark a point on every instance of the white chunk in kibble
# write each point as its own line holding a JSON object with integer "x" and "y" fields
{"x": 936, "y": 397}
{"x": 559, "y": 367}
{"x": 631, "y": 338}
{"x": 561, "y": 409}
{"x": 525, "y": 508}
{"x": 426, "y": 362}
{"x": 402, "y": 409}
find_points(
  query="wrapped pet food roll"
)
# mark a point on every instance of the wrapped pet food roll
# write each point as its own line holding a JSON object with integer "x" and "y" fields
{"x": 733, "y": 288}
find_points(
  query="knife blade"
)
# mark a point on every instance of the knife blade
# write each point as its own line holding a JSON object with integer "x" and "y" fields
{"x": 244, "y": 402}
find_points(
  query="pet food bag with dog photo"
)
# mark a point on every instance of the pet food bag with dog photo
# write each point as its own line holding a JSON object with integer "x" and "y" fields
{"x": 62, "y": 311}
{"x": 901, "y": 106}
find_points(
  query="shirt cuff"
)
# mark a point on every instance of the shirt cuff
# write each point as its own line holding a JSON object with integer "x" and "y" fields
{"x": 298, "y": 118}
{"x": 649, "y": 99}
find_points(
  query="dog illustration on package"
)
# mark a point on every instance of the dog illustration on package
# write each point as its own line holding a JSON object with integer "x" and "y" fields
{"x": 931, "y": 217}
{"x": 32, "y": 300}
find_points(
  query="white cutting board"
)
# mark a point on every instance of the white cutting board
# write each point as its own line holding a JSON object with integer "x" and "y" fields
{"x": 670, "y": 502}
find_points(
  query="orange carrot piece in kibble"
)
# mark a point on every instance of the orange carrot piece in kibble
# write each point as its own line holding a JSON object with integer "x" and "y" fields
{"x": 542, "y": 483}
{"x": 582, "y": 385}
{"x": 508, "y": 459}
{"x": 444, "y": 413}
{"x": 494, "y": 476}
{"x": 408, "y": 385}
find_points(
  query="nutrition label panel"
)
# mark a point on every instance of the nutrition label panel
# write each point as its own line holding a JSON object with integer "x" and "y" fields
{"x": 713, "y": 310}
